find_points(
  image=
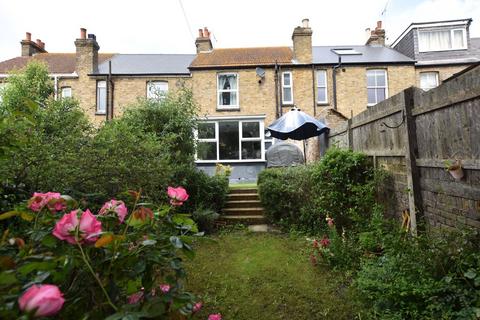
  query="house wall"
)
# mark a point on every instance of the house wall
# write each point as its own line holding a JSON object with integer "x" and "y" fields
{"x": 127, "y": 91}
{"x": 444, "y": 72}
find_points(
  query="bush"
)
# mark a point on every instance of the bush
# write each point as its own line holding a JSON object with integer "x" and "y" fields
{"x": 341, "y": 186}
{"x": 123, "y": 263}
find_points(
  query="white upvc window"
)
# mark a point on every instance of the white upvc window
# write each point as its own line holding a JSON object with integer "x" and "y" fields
{"x": 441, "y": 40}
{"x": 230, "y": 141}
{"x": 66, "y": 92}
{"x": 157, "y": 90}
{"x": 227, "y": 91}
{"x": 377, "y": 86}
{"x": 428, "y": 80}
{"x": 287, "y": 87}
{"x": 101, "y": 97}
{"x": 322, "y": 96}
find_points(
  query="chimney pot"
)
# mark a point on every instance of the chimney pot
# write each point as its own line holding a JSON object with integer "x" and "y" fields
{"x": 206, "y": 33}
{"x": 28, "y": 36}
{"x": 379, "y": 24}
{"x": 83, "y": 33}
{"x": 200, "y": 33}
{"x": 305, "y": 23}
{"x": 39, "y": 43}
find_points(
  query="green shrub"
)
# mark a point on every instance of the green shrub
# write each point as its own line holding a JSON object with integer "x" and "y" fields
{"x": 424, "y": 277}
{"x": 341, "y": 185}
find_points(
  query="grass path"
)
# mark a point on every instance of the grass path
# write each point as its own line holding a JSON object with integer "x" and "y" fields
{"x": 265, "y": 276}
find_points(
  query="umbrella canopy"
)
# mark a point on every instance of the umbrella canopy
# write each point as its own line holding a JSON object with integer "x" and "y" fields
{"x": 296, "y": 125}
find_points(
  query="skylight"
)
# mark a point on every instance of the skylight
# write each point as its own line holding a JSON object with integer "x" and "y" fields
{"x": 345, "y": 51}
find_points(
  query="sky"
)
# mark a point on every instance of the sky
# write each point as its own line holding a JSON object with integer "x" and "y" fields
{"x": 161, "y": 26}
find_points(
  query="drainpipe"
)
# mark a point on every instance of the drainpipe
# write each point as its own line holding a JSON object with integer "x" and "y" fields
{"x": 277, "y": 113}
{"x": 280, "y": 107}
{"x": 110, "y": 92}
{"x": 334, "y": 80}
{"x": 313, "y": 92}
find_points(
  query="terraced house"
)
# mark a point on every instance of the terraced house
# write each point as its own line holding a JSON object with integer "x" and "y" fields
{"x": 242, "y": 90}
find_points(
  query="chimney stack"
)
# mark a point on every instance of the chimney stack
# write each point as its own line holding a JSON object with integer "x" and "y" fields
{"x": 203, "y": 42}
{"x": 86, "y": 53}
{"x": 29, "y": 48}
{"x": 302, "y": 43}
{"x": 377, "y": 36}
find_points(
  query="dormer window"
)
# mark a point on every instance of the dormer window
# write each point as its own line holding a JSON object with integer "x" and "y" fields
{"x": 442, "y": 40}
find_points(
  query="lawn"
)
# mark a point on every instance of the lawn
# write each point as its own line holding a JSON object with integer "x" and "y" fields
{"x": 265, "y": 276}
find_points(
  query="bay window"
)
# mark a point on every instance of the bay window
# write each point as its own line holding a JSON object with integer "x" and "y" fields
{"x": 377, "y": 88}
{"x": 440, "y": 40}
{"x": 227, "y": 90}
{"x": 230, "y": 140}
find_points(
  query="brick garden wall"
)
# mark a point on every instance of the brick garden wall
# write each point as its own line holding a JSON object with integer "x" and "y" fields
{"x": 411, "y": 136}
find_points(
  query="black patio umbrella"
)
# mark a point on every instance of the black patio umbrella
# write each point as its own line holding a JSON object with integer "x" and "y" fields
{"x": 296, "y": 125}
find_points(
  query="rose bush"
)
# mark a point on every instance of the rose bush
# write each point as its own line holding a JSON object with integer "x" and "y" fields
{"x": 117, "y": 264}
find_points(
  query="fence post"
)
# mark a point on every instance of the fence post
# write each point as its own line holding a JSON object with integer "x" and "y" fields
{"x": 411, "y": 150}
{"x": 349, "y": 134}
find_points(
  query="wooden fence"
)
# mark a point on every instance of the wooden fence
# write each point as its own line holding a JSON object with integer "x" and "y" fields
{"x": 412, "y": 135}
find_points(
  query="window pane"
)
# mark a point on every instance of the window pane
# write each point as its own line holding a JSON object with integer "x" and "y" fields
{"x": 458, "y": 39}
{"x": 380, "y": 74}
{"x": 206, "y": 131}
{"x": 321, "y": 77}
{"x": 322, "y": 95}
{"x": 207, "y": 151}
{"x": 66, "y": 92}
{"x": 268, "y": 144}
{"x": 371, "y": 78}
{"x": 157, "y": 90}
{"x": 428, "y": 80}
{"x": 101, "y": 96}
{"x": 227, "y": 82}
{"x": 228, "y": 98}
{"x": 371, "y": 96}
{"x": 286, "y": 79}
{"x": 435, "y": 40}
{"x": 251, "y": 150}
{"x": 228, "y": 140}
{"x": 251, "y": 130}
{"x": 287, "y": 94}
{"x": 380, "y": 94}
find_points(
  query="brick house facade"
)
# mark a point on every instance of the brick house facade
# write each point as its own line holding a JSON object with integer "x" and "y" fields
{"x": 239, "y": 91}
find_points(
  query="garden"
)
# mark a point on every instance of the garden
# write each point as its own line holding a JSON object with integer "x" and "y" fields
{"x": 115, "y": 222}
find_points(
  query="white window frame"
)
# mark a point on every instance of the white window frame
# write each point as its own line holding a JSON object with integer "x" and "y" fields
{"x": 241, "y": 139}
{"x": 220, "y": 91}
{"x": 99, "y": 111}
{"x": 157, "y": 97}
{"x": 66, "y": 89}
{"x": 464, "y": 34}
{"x": 290, "y": 86}
{"x": 436, "y": 79}
{"x": 377, "y": 87}
{"x": 325, "y": 87}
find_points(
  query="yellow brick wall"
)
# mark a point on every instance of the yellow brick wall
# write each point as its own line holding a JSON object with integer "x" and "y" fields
{"x": 127, "y": 91}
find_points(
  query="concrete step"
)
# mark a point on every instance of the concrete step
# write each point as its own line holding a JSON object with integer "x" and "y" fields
{"x": 242, "y": 196}
{"x": 243, "y": 211}
{"x": 241, "y": 191}
{"x": 243, "y": 204}
{"x": 244, "y": 219}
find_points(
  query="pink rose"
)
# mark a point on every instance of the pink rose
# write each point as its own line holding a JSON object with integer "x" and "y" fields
{"x": 165, "y": 288}
{"x": 330, "y": 222}
{"x": 197, "y": 307}
{"x": 89, "y": 227}
{"x": 135, "y": 298}
{"x": 177, "y": 196}
{"x": 40, "y": 200}
{"x": 315, "y": 243}
{"x": 325, "y": 242}
{"x": 46, "y": 300}
{"x": 116, "y": 206}
{"x": 215, "y": 316}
